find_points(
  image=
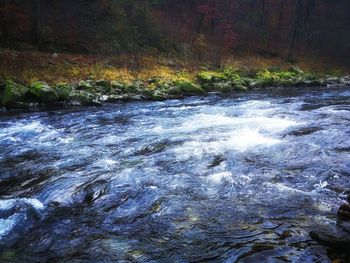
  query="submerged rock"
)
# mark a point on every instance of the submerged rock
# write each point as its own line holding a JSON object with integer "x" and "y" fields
{"x": 43, "y": 92}
{"x": 13, "y": 93}
{"x": 344, "y": 212}
{"x": 304, "y": 131}
{"x": 341, "y": 240}
{"x": 218, "y": 159}
{"x": 332, "y": 241}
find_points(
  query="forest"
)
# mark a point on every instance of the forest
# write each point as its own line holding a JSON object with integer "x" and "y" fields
{"x": 174, "y": 131}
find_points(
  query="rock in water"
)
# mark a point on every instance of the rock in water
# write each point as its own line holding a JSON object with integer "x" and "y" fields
{"x": 338, "y": 243}
{"x": 344, "y": 212}
{"x": 43, "y": 92}
{"x": 13, "y": 93}
{"x": 17, "y": 216}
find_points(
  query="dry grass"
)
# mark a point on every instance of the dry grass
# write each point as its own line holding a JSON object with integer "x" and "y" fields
{"x": 28, "y": 67}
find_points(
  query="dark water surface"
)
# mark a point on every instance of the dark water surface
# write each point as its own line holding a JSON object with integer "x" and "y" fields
{"x": 236, "y": 179}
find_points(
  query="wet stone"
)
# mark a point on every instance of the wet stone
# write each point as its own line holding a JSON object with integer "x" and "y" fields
{"x": 218, "y": 159}
{"x": 269, "y": 225}
{"x": 344, "y": 212}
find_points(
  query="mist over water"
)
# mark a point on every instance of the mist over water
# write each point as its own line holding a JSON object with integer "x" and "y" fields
{"x": 215, "y": 179}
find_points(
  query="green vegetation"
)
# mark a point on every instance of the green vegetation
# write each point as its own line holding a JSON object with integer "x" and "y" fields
{"x": 43, "y": 92}
{"x": 94, "y": 92}
{"x": 12, "y": 93}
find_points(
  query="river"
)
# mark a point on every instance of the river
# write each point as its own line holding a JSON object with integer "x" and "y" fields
{"x": 234, "y": 178}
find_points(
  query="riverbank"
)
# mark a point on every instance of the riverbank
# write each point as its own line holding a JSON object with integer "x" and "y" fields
{"x": 15, "y": 95}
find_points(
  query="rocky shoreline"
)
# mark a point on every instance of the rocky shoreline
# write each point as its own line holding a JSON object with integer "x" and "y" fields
{"x": 14, "y": 95}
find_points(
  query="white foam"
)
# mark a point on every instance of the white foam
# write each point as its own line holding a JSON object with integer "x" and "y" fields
{"x": 110, "y": 139}
{"x": 240, "y": 140}
{"x": 218, "y": 177}
{"x": 8, "y": 203}
{"x": 6, "y": 225}
{"x": 66, "y": 140}
{"x": 284, "y": 188}
{"x": 31, "y": 126}
{"x": 205, "y": 121}
{"x": 246, "y": 138}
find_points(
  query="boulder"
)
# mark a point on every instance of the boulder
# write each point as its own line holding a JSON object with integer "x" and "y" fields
{"x": 116, "y": 98}
{"x": 188, "y": 87}
{"x": 158, "y": 96}
{"x": 43, "y": 92}
{"x": 136, "y": 87}
{"x": 63, "y": 91}
{"x": 174, "y": 90}
{"x": 331, "y": 240}
{"x": 241, "y": 87}
{"x": 222, "y": 86}
{"x": 103, "y": 86}
{"x": 102, "y": 82}
{"x": 345, "y": 80}
{"x": 12, "y": 93}
{"x": 117, "y": 86}
{"x": 86, "y": 85}
{"x": 332, "y": 81}
{"x": 344, "y": 212}
{"x": 83, "y": 98}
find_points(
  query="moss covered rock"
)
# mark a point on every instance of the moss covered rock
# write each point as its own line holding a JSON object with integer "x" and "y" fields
{"x": 102, "y": 83}
{"x": 222, "y": 86}
{"x": 241, "y": 88}
{"x": 63, "y": 91}
{"x": 102, "y": 86}
{"x": 116, "y": 85}
{"x": 211, "y": 76}
{"x": 86, "y": 85}
{"x": 136, "y": 87}
{"x": 43, "y": 92}
{"x": 188, "y": 87}
{"x": 82, "y": 98}
{"x": 208, "y": 78}
{"x": 12, "y": 93}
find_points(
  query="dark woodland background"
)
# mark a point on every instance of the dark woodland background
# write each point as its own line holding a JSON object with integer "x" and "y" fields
{"x": 202, "y": 29}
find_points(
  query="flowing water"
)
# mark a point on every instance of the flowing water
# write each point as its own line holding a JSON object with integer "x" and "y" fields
{"x": 240, "y": 178}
